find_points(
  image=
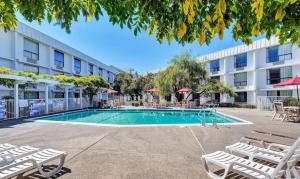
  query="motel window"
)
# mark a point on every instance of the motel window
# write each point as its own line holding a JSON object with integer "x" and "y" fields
{"x": 58, "y": 59}
{"x": 215, "y": 78}
{"x": 77, "y": 65}
{"x": 278, "y": 75}
{"x": 240, "y": 79}
{"x": 285, "y": 93}
{"x": 31, "y": 49}
{"x": 32, "y": 69}
{"x": 100, "y": 72}
{"x": 240, "y": 61}
{"x": 215, "y": 66}
{"x": 241, "y": 97}
{"x": 279, "y": 53}
{"x": 91, "y": 69}
{"x": 31, "y": 95}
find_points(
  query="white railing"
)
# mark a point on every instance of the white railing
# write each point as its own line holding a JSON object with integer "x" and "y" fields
{"x": 266, "y": 102}
{"x": 7, "y": 109}
{"x": 56, "y": 105}
{"x": 32, "y": 107}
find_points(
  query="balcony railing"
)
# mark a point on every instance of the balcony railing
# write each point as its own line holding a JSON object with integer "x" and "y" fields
{"x": 240, "y": 83}
{"x": 271, "y": 81}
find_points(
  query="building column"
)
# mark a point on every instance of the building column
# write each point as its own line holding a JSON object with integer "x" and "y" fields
{"x": 254, "y": 78}
{"x": 16, "y": 100}
{"x": 47, "y": 98}
{"x": 80, "y": 96}
{"x": 67, "y": 97}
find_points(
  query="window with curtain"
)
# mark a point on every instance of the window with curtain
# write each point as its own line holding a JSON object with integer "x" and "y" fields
{"x": 240, "y": 60}
{"x": 240, "y": 79}
{"x": 77, "y": 65}
{"x": 215, "y": 66}
{"x": 58, "y": 59}
{"x": 31, "y": 49}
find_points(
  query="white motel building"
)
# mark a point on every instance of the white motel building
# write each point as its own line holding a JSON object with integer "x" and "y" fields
{"x": 27, "y": 49}
{"x": 254, "y": 69}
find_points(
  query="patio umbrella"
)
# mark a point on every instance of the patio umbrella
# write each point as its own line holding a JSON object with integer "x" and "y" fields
{"x": 291, "y": 82}
{"x": 153, "y": 90}
{"x": 184, "y": 90}
{"x": 111, "y": 91}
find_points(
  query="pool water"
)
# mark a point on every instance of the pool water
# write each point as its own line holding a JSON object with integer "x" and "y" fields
{"x": 142, "y": 117}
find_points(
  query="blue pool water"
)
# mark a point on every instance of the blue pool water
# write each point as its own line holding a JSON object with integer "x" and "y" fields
{"x": 141, "y": 117}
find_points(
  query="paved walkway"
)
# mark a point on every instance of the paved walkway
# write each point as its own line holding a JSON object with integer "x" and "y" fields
{"x": 142, "y": 152}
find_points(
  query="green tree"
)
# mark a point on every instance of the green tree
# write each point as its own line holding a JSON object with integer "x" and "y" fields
{"x": 182, "y": 20}
{"x": 187, "y": 72}
{"x": 92, "y": 84}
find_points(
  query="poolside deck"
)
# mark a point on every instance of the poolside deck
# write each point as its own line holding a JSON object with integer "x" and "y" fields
{"x": 142, "y": 152}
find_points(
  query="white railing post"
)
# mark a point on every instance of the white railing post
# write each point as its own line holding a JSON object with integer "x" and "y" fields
{"x": 47, "y": 98}
{"x": 80, "y": 95}
{"x": 16, "y": 102}
{"x": 67, "y": 98}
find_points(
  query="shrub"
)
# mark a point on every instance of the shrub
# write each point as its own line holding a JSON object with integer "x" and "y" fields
{"x": 291, "y": 102}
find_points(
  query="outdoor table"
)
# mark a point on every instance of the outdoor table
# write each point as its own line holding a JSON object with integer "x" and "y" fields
{"x": 293, "y": 109}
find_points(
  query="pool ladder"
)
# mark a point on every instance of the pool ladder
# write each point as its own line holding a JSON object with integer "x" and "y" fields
{"x": 202, "y": 115}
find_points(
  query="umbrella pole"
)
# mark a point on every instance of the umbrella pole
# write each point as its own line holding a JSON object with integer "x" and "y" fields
{"x": 298, "y": 92}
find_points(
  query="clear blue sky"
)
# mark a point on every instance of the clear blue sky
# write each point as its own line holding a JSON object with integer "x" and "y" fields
{"x": 119, "y": 47}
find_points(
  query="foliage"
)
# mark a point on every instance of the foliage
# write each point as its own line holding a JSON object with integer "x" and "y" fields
{"x": 183, "y": 20}
{"x": 234, "y": 105}
{"x": 187, "y": 72}
{"x": 291, "y": 102}
{"x": 92, "y": 84}
{"x": 211, "y": 86}
{"x": 123, "y": 82}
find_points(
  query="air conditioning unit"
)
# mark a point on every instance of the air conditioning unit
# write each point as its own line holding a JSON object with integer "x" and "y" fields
{"x": 77, "y": 72}
{"x": 214, "y": 72}
{"x": 278, "y": 63}
{"x": 29, "y": 60}
{"x": 60, "y": 68}
{"x": 239, "y": 68}
{"x": 240, "y": 87}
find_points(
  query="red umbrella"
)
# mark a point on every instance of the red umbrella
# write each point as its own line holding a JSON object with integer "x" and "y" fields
{"x": 291, "y": 82}
{"x": 111, "y": 91}
{"x": 184, "y": 90}
{"x": 153, "y": 90}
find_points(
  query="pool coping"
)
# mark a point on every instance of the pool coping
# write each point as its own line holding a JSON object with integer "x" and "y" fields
{"x": 241, "y": 121}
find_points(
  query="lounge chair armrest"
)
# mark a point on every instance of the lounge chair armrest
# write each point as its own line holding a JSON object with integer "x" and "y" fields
{"x": 248, "y": 167}
{"x": 281, "y": 146}
{"x": 257, "y": 151}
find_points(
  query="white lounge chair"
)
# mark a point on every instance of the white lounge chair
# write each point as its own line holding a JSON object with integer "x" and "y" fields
{"x": 251, "y": 169}
{"x": 268, "y": 154}
{"x": 23, "y": 159}
{"x": 6, "y": 146}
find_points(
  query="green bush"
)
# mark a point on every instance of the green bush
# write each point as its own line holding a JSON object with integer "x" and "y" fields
{"x": 250, "y": 106}
{"x": 291, "y": 102}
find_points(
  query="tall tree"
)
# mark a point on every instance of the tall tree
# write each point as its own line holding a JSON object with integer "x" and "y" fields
{"x": 187, "y": 72}
{"x": 182, "y": 20}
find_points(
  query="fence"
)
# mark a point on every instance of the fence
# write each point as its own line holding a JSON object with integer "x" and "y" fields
{"x": 266, "y": 102}
{"x": 7, "y": 109}
{"x": 37, "y": 107}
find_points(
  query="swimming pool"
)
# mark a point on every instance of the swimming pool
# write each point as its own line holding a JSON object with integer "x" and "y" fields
{"x": 143, "y": 117}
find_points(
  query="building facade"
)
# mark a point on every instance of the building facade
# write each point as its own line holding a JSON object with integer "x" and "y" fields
{"x": 27, "y": 49}
{"x": 253, "y": 70}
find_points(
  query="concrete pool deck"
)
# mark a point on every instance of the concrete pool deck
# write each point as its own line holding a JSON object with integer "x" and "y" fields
{"x": 142, "y": 152}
